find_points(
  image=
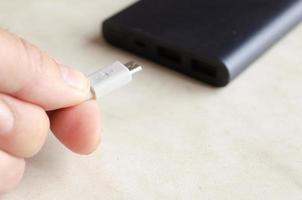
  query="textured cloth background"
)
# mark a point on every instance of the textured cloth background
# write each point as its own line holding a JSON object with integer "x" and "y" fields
{"x": 167, "y": 136}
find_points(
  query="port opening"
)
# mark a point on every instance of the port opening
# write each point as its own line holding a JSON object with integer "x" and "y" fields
{"x": 140, "y": 43}
{"x": 169, "y": 54}
{"x": 204, "y": 68}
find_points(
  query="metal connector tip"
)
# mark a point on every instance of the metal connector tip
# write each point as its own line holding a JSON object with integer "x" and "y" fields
{"x": 133, "y": 67}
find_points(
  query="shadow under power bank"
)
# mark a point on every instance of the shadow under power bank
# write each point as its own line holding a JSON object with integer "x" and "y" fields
{"x": 211, "y": 40}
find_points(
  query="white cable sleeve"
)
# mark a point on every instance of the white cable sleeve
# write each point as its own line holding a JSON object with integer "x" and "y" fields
{"x": 112, "y": 77}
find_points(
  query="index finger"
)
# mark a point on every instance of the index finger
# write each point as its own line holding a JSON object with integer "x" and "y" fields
{"x": 31, "y": 75}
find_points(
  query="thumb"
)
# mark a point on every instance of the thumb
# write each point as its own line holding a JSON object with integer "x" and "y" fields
{"x": 31, "y": 75}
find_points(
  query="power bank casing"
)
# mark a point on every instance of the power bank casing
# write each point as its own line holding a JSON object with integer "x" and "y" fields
{"x": 211, "y": 40}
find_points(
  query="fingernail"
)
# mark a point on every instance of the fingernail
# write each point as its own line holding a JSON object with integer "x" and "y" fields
{"x": 75, "y": 79}
{"x": 6, "y": 119}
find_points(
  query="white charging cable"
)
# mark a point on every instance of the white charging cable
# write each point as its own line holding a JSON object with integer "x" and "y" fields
{"x": 111, "y": 78}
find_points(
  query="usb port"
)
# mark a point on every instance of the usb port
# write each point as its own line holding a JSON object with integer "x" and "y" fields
{"x": 169, "y": 54}
{"x": 204, "y": 68}
{"x": 140, "y": 43}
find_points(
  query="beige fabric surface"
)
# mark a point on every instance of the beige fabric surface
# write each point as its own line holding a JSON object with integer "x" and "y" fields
{"x": 167, "y": 136}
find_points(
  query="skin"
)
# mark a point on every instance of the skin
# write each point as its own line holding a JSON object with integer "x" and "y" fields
{"x": 37, "y": 94}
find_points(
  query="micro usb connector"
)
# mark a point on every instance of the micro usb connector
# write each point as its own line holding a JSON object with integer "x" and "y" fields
{"x": 111, "y": 78}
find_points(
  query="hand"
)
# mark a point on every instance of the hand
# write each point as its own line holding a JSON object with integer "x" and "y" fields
{"x": 37, "y": 93}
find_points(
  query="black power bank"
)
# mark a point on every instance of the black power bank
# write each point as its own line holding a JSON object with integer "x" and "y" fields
{"x": 211, "y": 40}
